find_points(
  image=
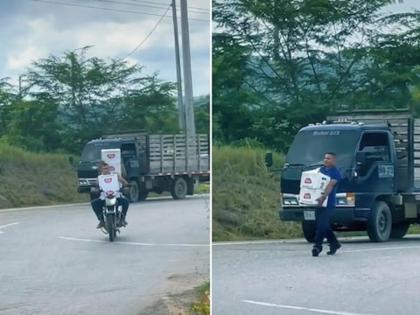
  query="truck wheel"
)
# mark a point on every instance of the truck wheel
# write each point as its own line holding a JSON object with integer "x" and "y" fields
{"x": 179, "y": 188}
{"x": 143, "y": 195}
{"x": 308, "y": 228}
{"x": 380, "y": 222}
{"x": 93, "y": 195}
{"x": 134, "y": 191}
{"x": 399, "y": 230}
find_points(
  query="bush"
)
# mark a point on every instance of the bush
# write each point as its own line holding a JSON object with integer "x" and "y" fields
{"x": 246, "y": 195}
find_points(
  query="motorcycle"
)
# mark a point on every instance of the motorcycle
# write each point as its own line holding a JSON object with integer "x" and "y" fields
{"x": 112, "y": 214}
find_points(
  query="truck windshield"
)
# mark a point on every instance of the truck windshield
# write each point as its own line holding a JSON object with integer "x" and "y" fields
{"x": 92, "y": 151}
{"x": 310, "y": 146}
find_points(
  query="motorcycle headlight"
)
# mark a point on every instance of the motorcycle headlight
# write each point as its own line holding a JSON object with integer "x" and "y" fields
{"x": 111, "y": 201}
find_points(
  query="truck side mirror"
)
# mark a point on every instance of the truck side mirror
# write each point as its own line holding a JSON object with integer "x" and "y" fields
{"x": 269, "y": 159}
{"x": 360, "y": 158}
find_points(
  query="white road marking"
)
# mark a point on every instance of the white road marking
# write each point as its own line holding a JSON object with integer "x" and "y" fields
{"x": 7, "y": 225}
{"x": 133, "y": 243}
{"x": 257, "y": 242}
{"x": 301, "y": 308}
{"x": 379, "y": 249}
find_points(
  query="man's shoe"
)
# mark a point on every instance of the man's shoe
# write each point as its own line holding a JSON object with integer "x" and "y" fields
{"x": 101, "y": 224}
{"x": 315, "y": 251}
{"x": 333, "y": 249}
{"x": 124, "y": 223}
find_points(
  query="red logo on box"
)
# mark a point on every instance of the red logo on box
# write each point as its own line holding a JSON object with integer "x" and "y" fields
{"x": 308, "y": 181}
{"x": 110, "y": 155}
{"x": 108, "y": 180}
{"x": 307, "y": 196}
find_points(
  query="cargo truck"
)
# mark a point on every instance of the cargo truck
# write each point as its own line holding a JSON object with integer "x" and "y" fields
{"x": 150, "y": 163}
{"x": 378, "y": 155}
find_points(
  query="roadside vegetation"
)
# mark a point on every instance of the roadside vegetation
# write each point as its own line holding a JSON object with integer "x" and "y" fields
{"x": 246, "y": 195}
{"x": 29, "y": 179}
{"x": 202, "y": 306}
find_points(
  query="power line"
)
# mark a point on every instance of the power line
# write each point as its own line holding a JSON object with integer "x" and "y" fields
{"x": 157, "y": 6}
{"x": 108, "y": 9}
{"x": 148, "y": 35}
{"x": 155, "y": 3}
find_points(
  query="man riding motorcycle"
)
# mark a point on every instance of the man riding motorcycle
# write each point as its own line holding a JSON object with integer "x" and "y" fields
{"x": 97, "y": 204}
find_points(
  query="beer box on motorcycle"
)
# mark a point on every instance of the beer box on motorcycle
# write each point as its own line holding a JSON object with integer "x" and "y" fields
{"x": 113, "y": 158}
{"x": 109, "y": 183}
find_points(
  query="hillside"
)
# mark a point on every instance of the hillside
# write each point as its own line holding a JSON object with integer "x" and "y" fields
{"x": 246, "y": 196}
{"x": 29, "y": 179}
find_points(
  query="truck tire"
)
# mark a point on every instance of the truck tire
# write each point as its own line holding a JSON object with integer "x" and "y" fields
{"x": 380, "y": 222}
{"x": 134, "y": 193}
{"x": 179, "y": 188}
{"x": 93, "y": 195}
{"x": 399, "y": 230}
{"x": 143, "y": 195}
{"x": 308, "y": 228}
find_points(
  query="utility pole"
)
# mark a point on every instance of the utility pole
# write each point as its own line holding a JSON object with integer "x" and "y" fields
{"x": 181, "y": 107}
{"x": 188, "y": 99}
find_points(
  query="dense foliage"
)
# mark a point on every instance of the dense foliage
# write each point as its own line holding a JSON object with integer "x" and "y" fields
{"x": 64, "y": 101}
{"x": 280, "y": 64}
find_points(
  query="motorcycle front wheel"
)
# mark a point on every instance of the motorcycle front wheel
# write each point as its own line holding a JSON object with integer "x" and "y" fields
{"x": 110, "y": 227}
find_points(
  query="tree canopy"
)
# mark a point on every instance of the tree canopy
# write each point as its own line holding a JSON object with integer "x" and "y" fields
{"x": 280, "y": 64}
{"x": 66, "y": 100}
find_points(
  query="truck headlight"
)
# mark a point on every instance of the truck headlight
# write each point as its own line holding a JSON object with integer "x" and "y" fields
{"x": 347, "y": 200}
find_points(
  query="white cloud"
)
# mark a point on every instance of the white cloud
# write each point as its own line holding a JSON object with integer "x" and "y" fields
{"x": 52, "y": 32}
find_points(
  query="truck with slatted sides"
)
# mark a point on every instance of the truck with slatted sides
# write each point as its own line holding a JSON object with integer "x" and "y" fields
{"x": 378, "y": 155}
{"x": 150, "y": 162}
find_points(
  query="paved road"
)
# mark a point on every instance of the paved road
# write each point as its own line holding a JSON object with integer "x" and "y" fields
{"x": 54, "y": 261}
{"x": 282, "y": 278}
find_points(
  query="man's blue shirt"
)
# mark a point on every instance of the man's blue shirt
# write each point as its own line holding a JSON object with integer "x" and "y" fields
{"x": 333, "y": 173}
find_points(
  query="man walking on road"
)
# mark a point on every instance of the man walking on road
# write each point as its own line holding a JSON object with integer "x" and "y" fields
{"x": 323, "y": 214}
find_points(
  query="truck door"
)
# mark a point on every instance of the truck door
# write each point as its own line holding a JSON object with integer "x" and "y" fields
{"x": 375, "y": 172}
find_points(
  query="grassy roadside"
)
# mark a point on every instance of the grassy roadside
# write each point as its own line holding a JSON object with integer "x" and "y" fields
{"x": 245, "y": 196}
{"x": 28, "y": 179}
{"x": 202, "y": 306}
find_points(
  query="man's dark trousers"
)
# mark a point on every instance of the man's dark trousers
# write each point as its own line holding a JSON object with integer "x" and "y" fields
{"x": 323, "y": 227}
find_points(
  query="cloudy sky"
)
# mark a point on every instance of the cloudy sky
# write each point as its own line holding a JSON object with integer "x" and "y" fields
{"x": 33, "y": 29}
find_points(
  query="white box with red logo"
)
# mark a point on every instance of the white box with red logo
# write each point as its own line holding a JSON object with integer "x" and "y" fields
{"x": 308, "y": 197}
{"x": 113, "y": 158}
{"x": 312, "y": 185}
{"x": 314, "y": 179}
{"x": 109, "y": 183}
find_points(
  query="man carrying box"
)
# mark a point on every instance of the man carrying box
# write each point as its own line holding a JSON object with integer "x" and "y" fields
{"x": 323, "y": 214}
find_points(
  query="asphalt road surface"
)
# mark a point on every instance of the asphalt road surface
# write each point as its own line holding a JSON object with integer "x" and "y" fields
{"x": 283, "y": 278}
{"x": 54, "y": 261}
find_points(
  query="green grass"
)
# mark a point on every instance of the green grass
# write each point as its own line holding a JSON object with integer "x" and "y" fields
{"x": 202, "y": 306}
{"x": 246, "y": 196}
{"x": 29, "y": 179}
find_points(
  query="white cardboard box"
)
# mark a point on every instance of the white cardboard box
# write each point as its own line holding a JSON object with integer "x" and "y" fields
{"x": 113, "y": 158}
{"x": 308, "y": 197}
{"x": 314, "y": 180}
{"x": 109, "y": 183}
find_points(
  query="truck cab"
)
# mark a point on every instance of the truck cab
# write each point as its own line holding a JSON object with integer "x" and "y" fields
{"x": 376, "y": 156}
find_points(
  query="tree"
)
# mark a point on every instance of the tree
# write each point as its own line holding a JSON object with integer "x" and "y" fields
{"x": 310, "y": 57}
